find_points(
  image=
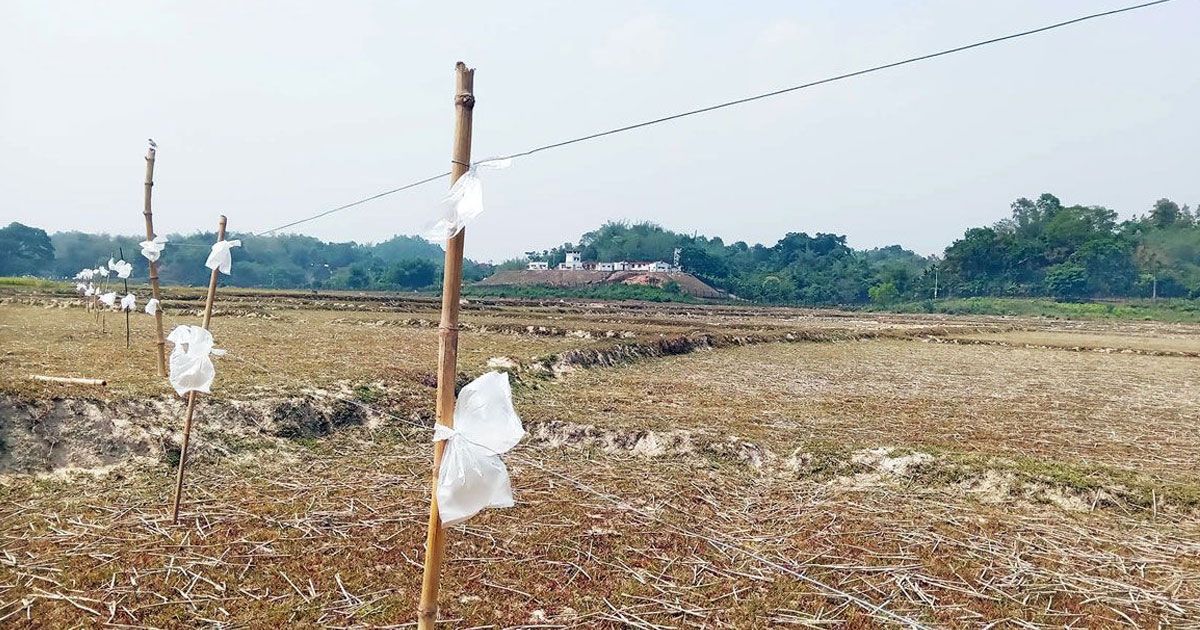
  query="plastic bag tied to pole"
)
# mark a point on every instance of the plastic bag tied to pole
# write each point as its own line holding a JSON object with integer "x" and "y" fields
{"x": 122, "y": 268}
{"x": 152, "y": 250}
{"x": 129, "y": 302}
{"x": 220, "y": 258}
{"x": 191, "y": 369}
{"x": 151, "y": 306}
{"x": 109, "y": 299}
{"x": 463, "y": 202}
{"x": 472, "y": 475}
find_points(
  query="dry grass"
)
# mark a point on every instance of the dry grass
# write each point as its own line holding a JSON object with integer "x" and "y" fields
{"x": 333, "y": 537}
{"x": 1132, "y": 412}
{"x": 329, "y": 532}
{"x": 312, "y": 348}
{"x": 1158, "y": 341}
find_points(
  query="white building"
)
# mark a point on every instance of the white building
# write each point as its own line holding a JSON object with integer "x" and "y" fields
{"x": 573, "y": 262}
{"x": 656, "y": 265}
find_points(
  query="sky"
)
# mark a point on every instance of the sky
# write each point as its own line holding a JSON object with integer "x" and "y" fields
{"x": 272, "y": 111}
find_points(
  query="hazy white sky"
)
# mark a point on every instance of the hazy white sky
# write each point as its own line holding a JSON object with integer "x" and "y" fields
{"x": 269, "y": 111}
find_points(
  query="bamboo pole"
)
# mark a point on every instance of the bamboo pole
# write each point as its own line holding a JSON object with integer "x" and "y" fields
{"x": 435, "y": 541}
{"x": 191, "y": 404}
{"x": 70, "y": 380}
{"x": 149, "y": 215}
{"x": 126, "y": 281}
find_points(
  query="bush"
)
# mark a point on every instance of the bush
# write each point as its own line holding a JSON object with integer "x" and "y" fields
{"x": 884, "y": 293}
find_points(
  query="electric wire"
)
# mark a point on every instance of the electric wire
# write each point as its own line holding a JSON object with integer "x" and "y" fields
{"x": 740, "y": 101}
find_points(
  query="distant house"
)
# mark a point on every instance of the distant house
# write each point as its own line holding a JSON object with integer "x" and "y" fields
{"x": 573, "y": 262}
{"x": 656, "y": 265}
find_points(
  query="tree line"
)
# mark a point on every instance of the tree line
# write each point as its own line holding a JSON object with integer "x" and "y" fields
{"x": 1042, "y": 249}
{"x": 288, "y": 261}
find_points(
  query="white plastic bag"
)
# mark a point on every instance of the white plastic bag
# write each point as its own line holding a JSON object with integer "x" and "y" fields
{"x": 81, "y": 287}
{"x": 151, "y": 306}
{"x": 191, "y": 369}
{"x": 122, "y": 268}
{"x": 220, "y": 258}
{"x": 102, "y": 271}
{"x": 90, "y": 291}
{"x": 109, "y": 299}
{"x": 463, "y": 202}
{"x": 153, "y": 249}
{"x": 472, "y": 475}
{"x": 129, "y": 302}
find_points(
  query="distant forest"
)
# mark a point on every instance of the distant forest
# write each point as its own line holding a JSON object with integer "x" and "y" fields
{"x": 1043, "y": 249}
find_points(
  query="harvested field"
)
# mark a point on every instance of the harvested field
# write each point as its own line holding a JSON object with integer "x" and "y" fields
{"x": 687, "y": 466}
{"x": 1064, "y": 406}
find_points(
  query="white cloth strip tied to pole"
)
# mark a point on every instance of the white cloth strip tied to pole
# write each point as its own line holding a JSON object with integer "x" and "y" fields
{"x": 85, "y": 274}
{"x": 151, "y": 306}
{"x": 191, "y": 368}
{"x": 102, "y": 271}
{"x": 81, "y": 287}
{"x": 152, "y": 250}
{"x": 472, "y": 475}
{"x": 129, "y": 302}
{"x": 220, "y": 258}
{"x": 90, "y": 290}
{"x": 122, "y": 268}
{"x": 463, "y": 202}
{"x": 109, "y": 299}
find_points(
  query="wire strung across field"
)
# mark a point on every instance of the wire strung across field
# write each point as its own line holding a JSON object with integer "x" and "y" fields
{"x": 731, "y": 103}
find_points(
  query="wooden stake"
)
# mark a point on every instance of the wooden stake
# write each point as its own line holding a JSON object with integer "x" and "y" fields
{"x": 126, "y": 281}
{"x": 191, "y": 406}
{"x": 435, "y": 541}
{"x": 162, "y": 342}
{"x": 70, "y": 380}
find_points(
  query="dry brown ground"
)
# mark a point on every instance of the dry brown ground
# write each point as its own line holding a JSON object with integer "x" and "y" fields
{"x": 333, "y": 537}
{"x": 329, "y": 532}
{"x": 313, "y": 348}
{"x": 1134, "y": 412}
{"x": 1163, "y": 341}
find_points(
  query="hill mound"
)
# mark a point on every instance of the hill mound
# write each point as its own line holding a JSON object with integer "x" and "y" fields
{"x": 688, "y": 284}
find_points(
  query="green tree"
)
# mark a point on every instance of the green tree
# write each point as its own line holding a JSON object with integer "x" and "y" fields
{"x": 1067, "y": 281}
{"x": 884, "y": 293}
{"x": 25, "y": 250}
{"x": 412, "y": 273}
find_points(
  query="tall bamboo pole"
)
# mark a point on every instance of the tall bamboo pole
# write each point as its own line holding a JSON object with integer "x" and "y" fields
{"x": 191, "y": 406}
{"x": 149, "y": 215}
{"x": 435, "y": 541}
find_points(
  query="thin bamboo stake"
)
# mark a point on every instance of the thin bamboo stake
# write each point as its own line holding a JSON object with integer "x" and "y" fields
{"x": 191, "y": 406}
{"x": 70, "y": 380}
{"x": 149, "y": 215}
{"x": 435, "y": 541}
{"x": 126, "y": 281}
